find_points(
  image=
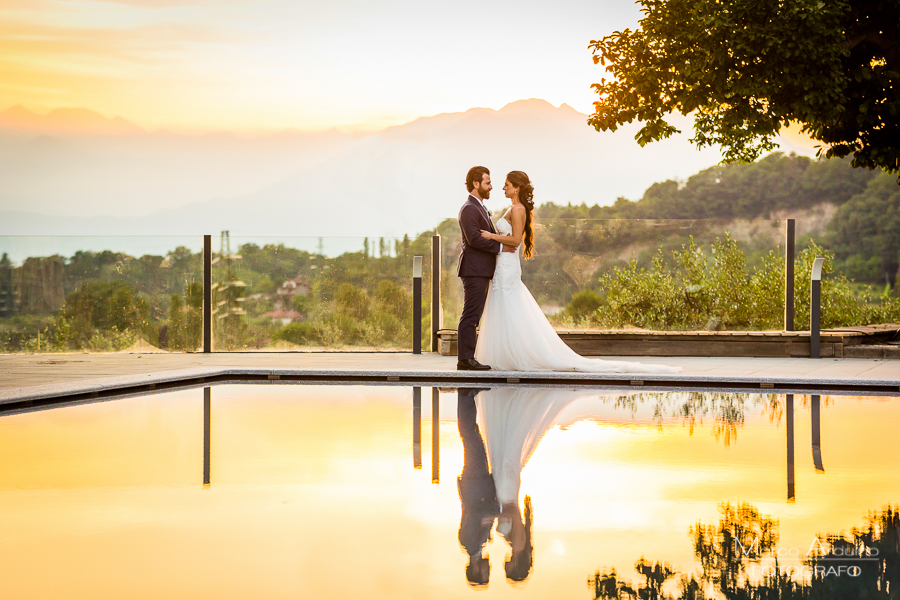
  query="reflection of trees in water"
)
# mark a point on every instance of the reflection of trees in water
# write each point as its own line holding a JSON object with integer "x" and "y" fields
{"x": 727, "y": 409}
{"x": 742, "y": 535}
{"x": 863, "y": 566}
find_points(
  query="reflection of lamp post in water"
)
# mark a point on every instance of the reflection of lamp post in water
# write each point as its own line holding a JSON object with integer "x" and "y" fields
{"x": 789, "y": 425}
{"x": 207, "y": 406}
{"x": 228, "y": 296}
{"x": 417, "y": 428}
{"x": 816, "y": 434}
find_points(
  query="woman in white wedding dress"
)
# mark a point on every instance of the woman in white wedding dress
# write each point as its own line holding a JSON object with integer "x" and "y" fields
{"x": 515, "y": 335}
{"x": 513, "y": 421}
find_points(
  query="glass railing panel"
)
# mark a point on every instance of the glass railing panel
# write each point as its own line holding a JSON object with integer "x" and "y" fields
{"x": 101, "y": 294}
{"x": 644, "y": 274}
{"x": 311, "y": 294}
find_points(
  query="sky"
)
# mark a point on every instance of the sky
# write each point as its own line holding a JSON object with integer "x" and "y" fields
{"x": 255, "y": 66}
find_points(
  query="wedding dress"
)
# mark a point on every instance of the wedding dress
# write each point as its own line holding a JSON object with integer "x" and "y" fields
{"x": 513, "y": 421}
{"x": 516, "y": 336}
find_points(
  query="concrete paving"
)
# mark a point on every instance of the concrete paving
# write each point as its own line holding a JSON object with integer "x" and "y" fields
{"x": 26, "y": 378}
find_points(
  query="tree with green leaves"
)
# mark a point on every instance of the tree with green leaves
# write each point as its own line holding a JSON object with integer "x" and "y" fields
{"x": 747, "y": 68}
{"x": 865, "y": 232}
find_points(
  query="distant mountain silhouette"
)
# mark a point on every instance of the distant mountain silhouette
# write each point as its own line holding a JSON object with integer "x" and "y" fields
{"x": 401, "y": 180}
{"x": 65, "y": 120}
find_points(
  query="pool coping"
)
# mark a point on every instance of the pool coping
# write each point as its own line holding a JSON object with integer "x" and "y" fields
{"x": 192, "y": 377}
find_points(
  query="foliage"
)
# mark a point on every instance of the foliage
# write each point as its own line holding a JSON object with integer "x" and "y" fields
{"x": 743, "y": 536}
{"x": 715, "y": 291}
{"x": 745, "y": 68}
{"x": 742, "y": 533}
{"x": 865, "y": 232}
{"x": 185, "y": 326}
{"x": 295, "y": 333}
{"x": 104, "y": 306}
{"x": 584, "y": 304}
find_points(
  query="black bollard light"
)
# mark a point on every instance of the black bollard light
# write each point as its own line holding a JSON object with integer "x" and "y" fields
{"x": 417, "y": 304}
{"x": 815, "y": 300}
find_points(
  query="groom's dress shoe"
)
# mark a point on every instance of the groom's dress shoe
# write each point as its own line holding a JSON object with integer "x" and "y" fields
{"x": 470, "y": 364}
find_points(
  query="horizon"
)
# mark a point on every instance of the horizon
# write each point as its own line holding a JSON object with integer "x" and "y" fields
{"x": 791, "y": 136}
{"x": 349, "y": 130}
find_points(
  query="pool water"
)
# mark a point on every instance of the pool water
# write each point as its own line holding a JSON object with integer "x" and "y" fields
{"x": 353, "y": 492}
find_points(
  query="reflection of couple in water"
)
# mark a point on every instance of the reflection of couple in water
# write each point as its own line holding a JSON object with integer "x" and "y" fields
{"x": 513, "y": 422}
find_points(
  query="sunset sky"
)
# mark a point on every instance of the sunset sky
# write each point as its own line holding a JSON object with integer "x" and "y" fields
{"x": 195, "y": 65}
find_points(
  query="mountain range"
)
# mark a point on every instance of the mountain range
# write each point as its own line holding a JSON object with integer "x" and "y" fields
{"x": 75, "y": 172}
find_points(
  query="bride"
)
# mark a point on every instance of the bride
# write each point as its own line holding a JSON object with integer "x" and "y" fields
{"x": 515, "y": 335}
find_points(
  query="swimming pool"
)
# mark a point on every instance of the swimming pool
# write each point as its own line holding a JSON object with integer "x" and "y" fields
{"x": 287, "y": 491}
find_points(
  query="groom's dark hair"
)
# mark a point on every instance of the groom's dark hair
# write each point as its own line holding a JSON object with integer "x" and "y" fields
{"x": 476, "y": 174}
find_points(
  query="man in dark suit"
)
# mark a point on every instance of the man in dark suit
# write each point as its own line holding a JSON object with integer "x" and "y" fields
{"x": 476, "y": 264}
{"x": 477, "y": 492}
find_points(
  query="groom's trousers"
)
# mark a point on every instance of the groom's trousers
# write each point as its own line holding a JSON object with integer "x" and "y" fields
{"x": 475, "y": 290}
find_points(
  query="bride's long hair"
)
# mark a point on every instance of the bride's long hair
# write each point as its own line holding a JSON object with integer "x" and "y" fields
{"x": 520, "y": 180}
{"x": 518, "y": 565}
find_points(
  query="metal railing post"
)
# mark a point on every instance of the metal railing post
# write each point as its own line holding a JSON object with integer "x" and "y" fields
{"x": 789, "y": 275}
{"x": 207, "y": 293}
{"x": 815, "y": 297}
{"x": 436, "y": 313}
{"x": 417, "y": 304}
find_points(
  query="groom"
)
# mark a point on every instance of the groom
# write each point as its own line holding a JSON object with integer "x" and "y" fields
{"x": 476, "y": 264}
{"x": 477, "y": 492}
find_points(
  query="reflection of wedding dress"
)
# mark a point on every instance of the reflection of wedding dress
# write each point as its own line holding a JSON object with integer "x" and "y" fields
{"x": 513, "y": 421}
{"x": 516, "y": 336}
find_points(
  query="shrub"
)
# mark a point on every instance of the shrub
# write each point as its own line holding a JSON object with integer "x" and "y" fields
{"x": 583, "y": 305}
{"x": 296, "y": 333}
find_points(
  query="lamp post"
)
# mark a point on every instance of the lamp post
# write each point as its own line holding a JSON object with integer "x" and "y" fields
{"x": 815, "y": 299}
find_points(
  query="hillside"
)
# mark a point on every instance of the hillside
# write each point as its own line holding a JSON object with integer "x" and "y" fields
{"x": 854, "y": 212}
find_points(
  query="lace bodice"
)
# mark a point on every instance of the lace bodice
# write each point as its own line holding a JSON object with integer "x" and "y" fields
{"x": 508, "y": 272}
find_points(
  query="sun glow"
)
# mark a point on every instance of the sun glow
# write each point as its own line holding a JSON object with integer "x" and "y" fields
{"x": 247, "y": 66}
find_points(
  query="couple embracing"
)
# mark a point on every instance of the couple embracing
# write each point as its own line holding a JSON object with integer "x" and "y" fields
{"x": 514, "y": 335}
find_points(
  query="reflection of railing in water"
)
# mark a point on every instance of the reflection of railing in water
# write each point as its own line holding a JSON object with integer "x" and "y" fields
{"x": 417, "y": 428}
{"x": 435, "y": 435}
{"x": 789, "y": 427}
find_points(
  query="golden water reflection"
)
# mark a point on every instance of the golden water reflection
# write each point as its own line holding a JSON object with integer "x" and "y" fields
{"x": 314, "y": 492}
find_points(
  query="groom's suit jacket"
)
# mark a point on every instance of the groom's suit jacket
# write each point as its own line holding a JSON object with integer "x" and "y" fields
{"x": 478, "y": 255}
{"x": 477, "y": 493}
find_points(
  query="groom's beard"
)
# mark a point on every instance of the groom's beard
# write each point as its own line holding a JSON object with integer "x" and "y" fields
{"x": 485, "y": 194}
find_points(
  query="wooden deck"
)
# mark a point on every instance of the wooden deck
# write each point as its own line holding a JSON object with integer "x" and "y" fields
{"x": 842, "y": 342}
